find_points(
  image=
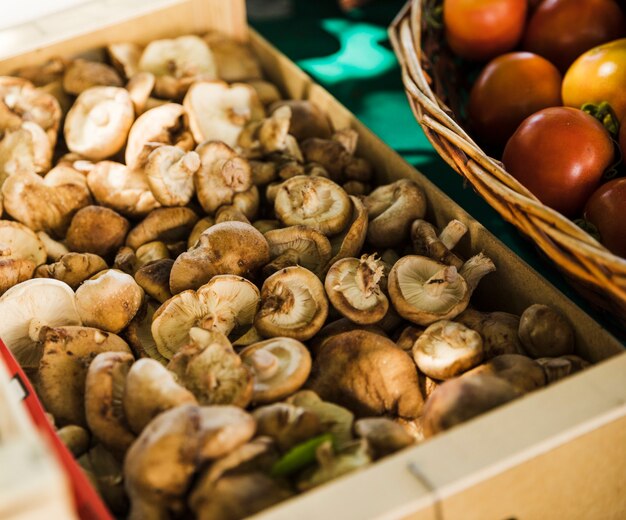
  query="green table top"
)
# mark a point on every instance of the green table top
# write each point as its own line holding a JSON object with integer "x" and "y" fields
{"x": 351, "y": 56}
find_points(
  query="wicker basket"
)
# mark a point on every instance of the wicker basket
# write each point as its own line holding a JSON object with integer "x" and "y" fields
{"x": 596, "y": 273}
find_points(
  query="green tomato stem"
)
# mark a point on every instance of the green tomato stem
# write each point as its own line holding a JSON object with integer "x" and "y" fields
{"x": 604, "y": 113}
{"x": 299, "y": 457}
{"x": 588, "y": 227}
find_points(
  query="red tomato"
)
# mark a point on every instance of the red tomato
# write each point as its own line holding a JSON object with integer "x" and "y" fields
{"x": 509, "y": 89}
{"x": 606, "y": 209}
{"x": 561, "y": 30}
{"x": 559, "y": 154}
{"x": 483, "y": 29}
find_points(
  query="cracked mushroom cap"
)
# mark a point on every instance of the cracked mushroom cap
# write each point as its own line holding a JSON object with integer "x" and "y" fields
{"x": 209, "y": 368}
{"x": 98, "y": 123}
{"x": 161, "y": 463}
{"x": 353, "y": 287}
{"x": 287, "y": 424}
{"x": 307, "y": 119}
{"x": 116, "y": 186}
{"x": 109, "y": 300}
{"x": 170, "y": 172}
{"x": 463, "y": 398}
{"x": 72, "y": 268}
{"x": 298, "y": 245}
{"x": 164, "y": 225}
{"x": 316, "y": 202}
{"x": 446, "y": 349}
{"x": 221, "y": 175}
{"x": 355, "y": 369}
{"x": 151, "y": 389}
{"x": 177, "y": 63}
{"x": 67, "y": 353}
{"x": 46, "y": 204}
{"x": 96, "y": 230}
{"x": 83, "y": 74}
{"x": 21, "y": 251}
{"x": 280, "y": 366}
{"x": 523, "y": 373}
{"x": 293, "y": 304}
{"x": 392, "y": 209}
{"x": 28, "y": 307}
{"x": 104, "y": 390}
{"x": 231, "y": 247}
{"x": 226, "y": 304}
{"x": 24, "y": 149}
{"x": 163, "y": 124}
{"x": 424, "y": 291}
{"x": 218, "y": 111}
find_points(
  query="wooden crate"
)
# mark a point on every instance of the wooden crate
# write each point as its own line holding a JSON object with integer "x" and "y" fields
{"x": 557, "y": 453}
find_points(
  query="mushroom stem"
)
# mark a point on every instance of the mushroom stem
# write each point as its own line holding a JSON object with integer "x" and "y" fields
{"x": 427, "y": 243}
{"x": 438, "y": 282}
{"x": 34, "y": 329}
{"x": 265, "y": 364}
{"x": 452, "y": 233}
{"x": 219, "y": 323}
{"x": 310, "y": 202}
{"x": 287, "y": 258}
{"x": 475, "y": 268}
{"x": 369, "y": 274}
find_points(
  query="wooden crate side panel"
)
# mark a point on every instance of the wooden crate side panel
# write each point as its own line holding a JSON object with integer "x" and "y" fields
{"x": 70, "y": 34}
{"x": 515, "y": 285}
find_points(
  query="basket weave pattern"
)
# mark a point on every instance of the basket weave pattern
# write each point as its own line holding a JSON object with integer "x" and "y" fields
{"x": 596, "y": 273}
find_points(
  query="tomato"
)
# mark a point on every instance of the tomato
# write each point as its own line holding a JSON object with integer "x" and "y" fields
{"x": 606, "y": 209}
{"x": 596, "y": 76}
{"x": 483, "y": 29}
{"x": 509, "y": 89}
{"x": 559, "y": 154}
{"x": 561, "y": 30}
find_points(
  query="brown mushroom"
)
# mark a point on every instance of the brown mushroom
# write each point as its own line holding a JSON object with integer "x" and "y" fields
{"x": 307, "y": 119}
{"x": 234, "y": 59}
{"x": 96, "y": 230}
{"x": 297, "y": 245}
{"x": 163, "y": 224}
{"x": 383, "y": 435}
{"x": 498, "y": 330}
{"x": 139, "y": 335}
{"x": 169, "y": 171}
{"x": 545, "y": 332}
{"x": 287, "y": 424}
{"x": 520, "y": 371}
{"x": 72, "y": 268}
{"x": 338, "y": 327}
{"x": 83, "y": 74}
{"x": 354, "y": 369}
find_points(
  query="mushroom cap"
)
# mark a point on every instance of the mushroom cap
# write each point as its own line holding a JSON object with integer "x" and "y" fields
{"x": 248, "y": 202}
{"x": 221, "y": 175}
{"x": 267, "y": 92}
{"x": 498, "y": 330}
{"x": 337, "y": 327}
{"x": 154, "y": 279}
{"x": 546, "y": 332}
{"x": 139, "y": 335}
{"x": 67, "y": 353}
{"x": 170, "y": 172}
{"x": 315, "y": 202}
{"x": 54, "y": 249}
{"x": 72, "y": 268}
{"x": 116, "y": 186}
{"x": 293, "y": 304}
{"x": 383, "y": 435}
{"x": 163, "y": 224}
{"x": 46, "y": 204}
{"x": 561, "y": 367}
{"x": 109, "y": 300}
{"x": 20, "y": 242}
{"x": 14, "y": 271}
{"x": 96, "y": 230}
{"x": 234, "y": 60}
{"x": 25, "y": 148}
{"x": 334, "y": 419}
{"x": 408, "y": 337}
{"x": 331, "y": 154}
{"x": 151, "y": 389}
{"x": 160, "y": 464}
{"x": 29, "y": 306}
{"x": 162, "y": 124}
{"x": 287, "y": 424}
{"x": 104, "y": 389}
{"x": 392, "y": 209}
{"x": 354, "y": 370}
{"x": 76, "y": 439}
{"x": 125, "y": 57}
{"x": 44, "y": 73}
{"x": 202, "y": 225}
{"x": 463, "y": 398}
{"x": 520, "y": 371}
{"x": 446, "y": 349}
{"x": 353, "y": 288}
{"x": 232, "y": 247}
{"x": 139, "y": 87}
{"x": 225, "y": 304}
{"x": 99, "y": 121}
{"x": 311, "y": 248}
{"x": 280, "y": 366}
{"x": 209, "y": 368}
{"x": 238, "y": 496}
{"x": 218, "y": 112}
{"x": 307, "y": 119}
{"x": 83, "y": 74}
{"x": 424, "y": 291}
{"x": 350, "y": 241}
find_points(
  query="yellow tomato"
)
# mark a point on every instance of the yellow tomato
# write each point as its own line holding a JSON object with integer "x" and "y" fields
{"x": 598, "y": 75}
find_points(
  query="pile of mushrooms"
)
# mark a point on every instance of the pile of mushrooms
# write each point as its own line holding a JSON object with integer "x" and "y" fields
{"x": 218, "y": 305}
